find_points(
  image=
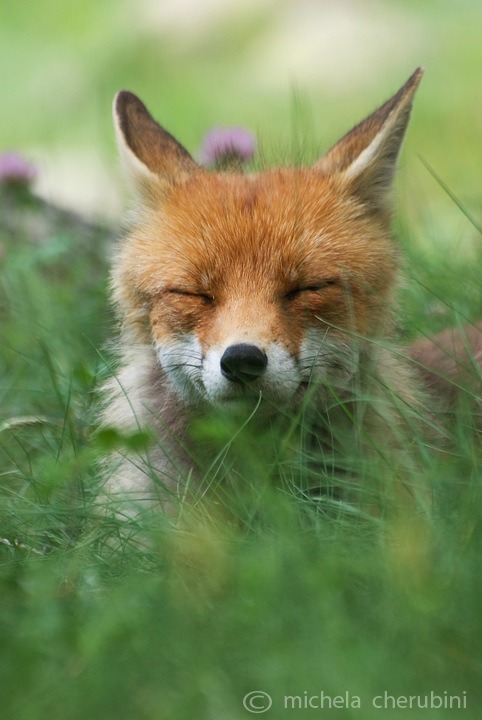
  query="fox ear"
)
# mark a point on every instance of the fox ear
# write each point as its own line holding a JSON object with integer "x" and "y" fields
{"x": 152, "y": 158}
{"x": 366, "y": 157}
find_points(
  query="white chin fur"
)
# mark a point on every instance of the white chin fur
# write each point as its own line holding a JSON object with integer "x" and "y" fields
{"x": 199, "y": 380}
{"x": 278, "y": 383}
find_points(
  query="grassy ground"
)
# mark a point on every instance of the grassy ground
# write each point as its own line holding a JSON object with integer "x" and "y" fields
{"x": 268, "y": 594}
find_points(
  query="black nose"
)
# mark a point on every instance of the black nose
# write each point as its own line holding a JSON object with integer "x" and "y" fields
{"x": 243, "y": 362}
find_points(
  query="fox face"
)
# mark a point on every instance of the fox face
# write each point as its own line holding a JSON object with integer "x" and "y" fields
{"x": 259, "y": 286}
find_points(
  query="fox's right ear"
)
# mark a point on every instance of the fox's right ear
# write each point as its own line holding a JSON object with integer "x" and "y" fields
{"x": 152, "y": 158}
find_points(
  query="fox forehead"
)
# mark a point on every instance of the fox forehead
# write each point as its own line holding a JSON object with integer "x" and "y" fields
{"x": 280, "y": 227}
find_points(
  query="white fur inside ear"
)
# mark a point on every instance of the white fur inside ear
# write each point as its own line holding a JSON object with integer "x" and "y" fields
{"x": 366, "y": 159}
{"x": 375, "y": 156}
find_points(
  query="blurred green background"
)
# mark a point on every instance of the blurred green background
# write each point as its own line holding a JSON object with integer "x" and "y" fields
{"x": 279, "y": 67}
{"x": 158, "y": 622}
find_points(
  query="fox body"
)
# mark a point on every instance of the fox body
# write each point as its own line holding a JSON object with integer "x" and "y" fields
{"x": 258, "y": 291}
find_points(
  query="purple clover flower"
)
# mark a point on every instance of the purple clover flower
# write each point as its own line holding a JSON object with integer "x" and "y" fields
{"x": 225, "y": 147}
{"x": 15, "y": 169}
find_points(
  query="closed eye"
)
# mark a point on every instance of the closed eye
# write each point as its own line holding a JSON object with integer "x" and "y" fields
{"x": 203, "y": 296}
{"x": 292, "y": 294}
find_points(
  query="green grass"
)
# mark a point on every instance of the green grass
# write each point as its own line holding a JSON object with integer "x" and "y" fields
{"x": 147, "y": 619}
{"x": 151, "y": 619}
{"x": 61, "y": 64}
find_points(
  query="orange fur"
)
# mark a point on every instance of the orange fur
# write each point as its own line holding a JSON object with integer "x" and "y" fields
{"x": 291, "y": 228}
{"x": 233, "y": 287}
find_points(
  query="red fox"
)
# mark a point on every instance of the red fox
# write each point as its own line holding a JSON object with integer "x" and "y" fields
{"x": 260, "y": 294}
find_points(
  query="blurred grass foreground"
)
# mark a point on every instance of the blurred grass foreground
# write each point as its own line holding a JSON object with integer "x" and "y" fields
{"x": 157, "y": 620}
{"x": 150, "y": 618}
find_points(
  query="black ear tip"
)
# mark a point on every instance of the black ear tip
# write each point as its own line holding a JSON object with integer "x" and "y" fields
{"x": 126, "y": 99}
{"x": 120, "y": 100}
{"x": 414, "y": 79}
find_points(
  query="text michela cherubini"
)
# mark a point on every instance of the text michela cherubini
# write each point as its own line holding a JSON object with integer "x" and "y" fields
{"x": 379, "y": 702}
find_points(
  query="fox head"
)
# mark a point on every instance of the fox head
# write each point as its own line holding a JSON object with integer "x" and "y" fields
{"x": 259, "y": 284}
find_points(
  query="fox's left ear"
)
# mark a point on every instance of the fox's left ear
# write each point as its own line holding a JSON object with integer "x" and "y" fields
{"x": 153, "y": 159}
{"x": 365, "y": 159}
